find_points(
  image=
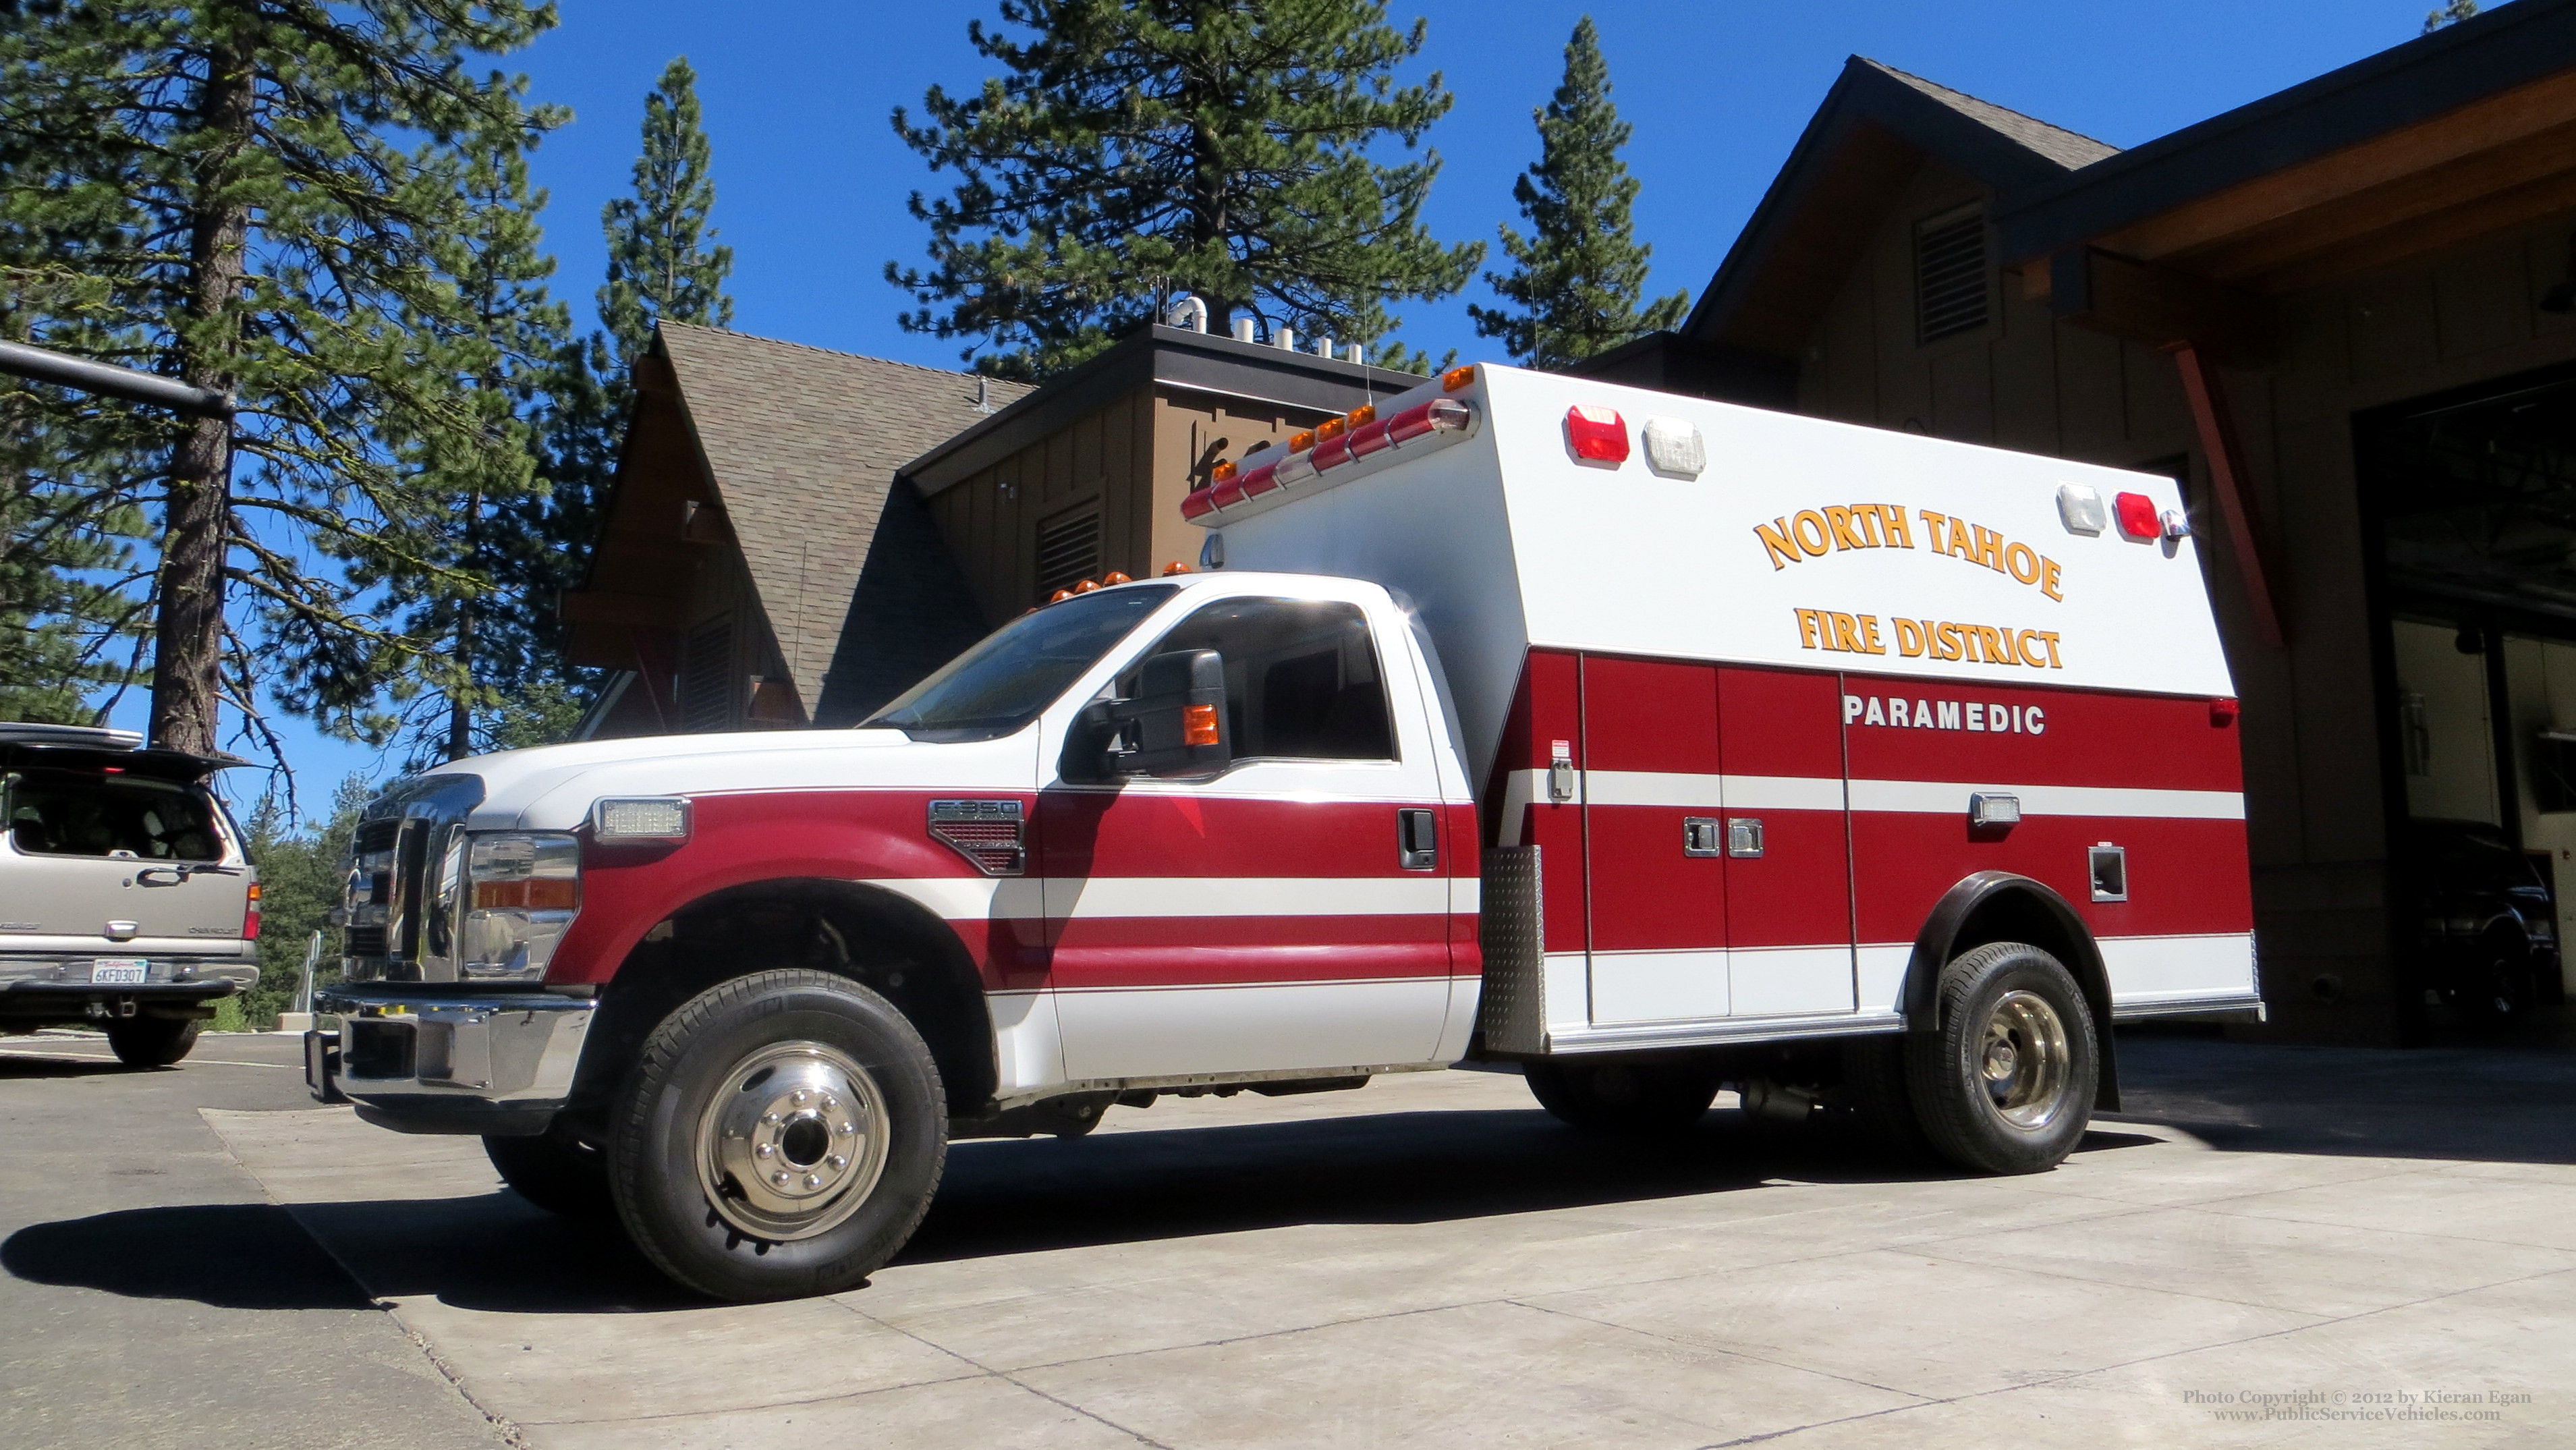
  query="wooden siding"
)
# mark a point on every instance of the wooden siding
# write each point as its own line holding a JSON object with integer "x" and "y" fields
{"x": 2315, "y": 813}
{"x": 1134, "y": 458}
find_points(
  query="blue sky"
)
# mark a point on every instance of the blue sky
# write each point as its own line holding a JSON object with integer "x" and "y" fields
{"x": 811, "y": 180}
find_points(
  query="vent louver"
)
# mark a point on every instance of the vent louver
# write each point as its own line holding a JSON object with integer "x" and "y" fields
{"x": 1950, "y": 291}
{"x": 1068, "y": 550}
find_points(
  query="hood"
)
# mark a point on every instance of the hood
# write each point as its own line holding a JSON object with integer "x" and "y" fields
{"x": 552, "y": 787}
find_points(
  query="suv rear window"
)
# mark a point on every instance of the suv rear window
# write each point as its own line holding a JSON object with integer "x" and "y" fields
{"x": 96, "y": 813}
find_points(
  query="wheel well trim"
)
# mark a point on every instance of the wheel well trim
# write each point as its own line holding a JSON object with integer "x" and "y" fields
{"x": 923, "y": 918}
{"x": 1936, "y": 944}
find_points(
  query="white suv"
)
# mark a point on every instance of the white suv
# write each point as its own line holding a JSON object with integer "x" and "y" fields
{"x": 125, "y": 900}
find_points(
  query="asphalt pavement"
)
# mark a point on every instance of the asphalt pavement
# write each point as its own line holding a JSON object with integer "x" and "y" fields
{"x": 154, "y": 1295}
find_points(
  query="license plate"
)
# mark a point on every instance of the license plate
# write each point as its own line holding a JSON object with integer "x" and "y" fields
{"x": 119, "y": 971}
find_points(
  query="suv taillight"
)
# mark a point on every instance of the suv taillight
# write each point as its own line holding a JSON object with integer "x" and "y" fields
{"x": 250, "y": 915}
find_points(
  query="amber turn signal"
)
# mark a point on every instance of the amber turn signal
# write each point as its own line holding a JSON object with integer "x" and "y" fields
{"x": 1198, "y": 725}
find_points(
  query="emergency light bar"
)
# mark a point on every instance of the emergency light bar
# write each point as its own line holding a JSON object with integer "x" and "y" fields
{"x": 1334, "y": 444}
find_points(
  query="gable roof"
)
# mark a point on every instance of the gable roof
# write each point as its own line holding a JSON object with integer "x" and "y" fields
{"x": 1875, "y": 127}
{"x": 802, "y": 446}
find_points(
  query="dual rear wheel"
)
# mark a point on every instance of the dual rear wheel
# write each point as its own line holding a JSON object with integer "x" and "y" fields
{"x": 2004, "y": 1085}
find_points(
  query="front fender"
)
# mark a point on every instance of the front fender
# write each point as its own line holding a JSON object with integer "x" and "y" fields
{"x": 873, "y": 837}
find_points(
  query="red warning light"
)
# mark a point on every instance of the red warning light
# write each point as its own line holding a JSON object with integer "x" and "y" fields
{"x": 1596, "y": 433}
{"x": 2138, "y": 518}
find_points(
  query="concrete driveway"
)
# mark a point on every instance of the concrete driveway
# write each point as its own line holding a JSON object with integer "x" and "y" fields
{"x": 2275, "y": 1246}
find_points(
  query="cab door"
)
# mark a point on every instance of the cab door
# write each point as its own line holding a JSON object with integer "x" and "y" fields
{"x": 1292, "y": 912}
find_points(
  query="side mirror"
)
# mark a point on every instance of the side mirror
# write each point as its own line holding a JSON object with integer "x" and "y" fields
{"x": 1175, "y": 726}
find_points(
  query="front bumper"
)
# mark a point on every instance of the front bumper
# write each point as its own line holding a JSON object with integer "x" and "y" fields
{"x": 423, "y": 1059}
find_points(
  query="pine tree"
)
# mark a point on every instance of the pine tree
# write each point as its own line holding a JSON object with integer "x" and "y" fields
{"x": 663, "y": 263}
{"x": 1136, "y": 149}
{"x": 507, "y": 345}
{"x": 249, "y": 196}
{"x": 1577, "y": 280}
{"x": 2451, "y": 13}
{"x": 661, "y": 257}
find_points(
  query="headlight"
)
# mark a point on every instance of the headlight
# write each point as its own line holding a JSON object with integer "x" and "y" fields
{"x": 522, "y": 892}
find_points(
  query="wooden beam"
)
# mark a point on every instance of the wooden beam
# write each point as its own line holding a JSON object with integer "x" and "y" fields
{"x": 644, "y": 611}
{"x": 2482, "y": 125}
{"x": 2245, "y": 257}
{"x": 2395, "y": 246}
{"x": 2158, "y": 306}
{"x": 2226, "y": 457}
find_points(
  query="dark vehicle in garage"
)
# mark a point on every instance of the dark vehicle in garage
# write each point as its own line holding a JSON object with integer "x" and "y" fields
{"x": 2487, "y": 940}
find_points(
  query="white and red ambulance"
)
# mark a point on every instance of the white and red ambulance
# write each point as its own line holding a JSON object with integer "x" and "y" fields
{"x": 1649, "y": 743}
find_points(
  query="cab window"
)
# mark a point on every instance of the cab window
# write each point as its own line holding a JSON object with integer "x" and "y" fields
{"x": 91, "y": 813}
{"x": 1301, "y": 678}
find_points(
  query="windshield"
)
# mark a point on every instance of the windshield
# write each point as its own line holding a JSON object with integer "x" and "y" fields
{"x": 1019, "y": 669}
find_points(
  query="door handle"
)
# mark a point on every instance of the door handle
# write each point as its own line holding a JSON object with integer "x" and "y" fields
{"x": 1417, "y": 839}
{"x": 1700, "y": 836}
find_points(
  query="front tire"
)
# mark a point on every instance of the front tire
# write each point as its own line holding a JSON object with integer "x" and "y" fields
{"x": 1623, "y": 1098}
{"x": 780, "y": 1136}
{"x": 2006, "y": 1084}
{"x": 152, "y": 1041}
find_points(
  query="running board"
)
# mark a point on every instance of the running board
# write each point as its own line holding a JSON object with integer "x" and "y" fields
{"x": 2235, "y": 1005}
{"x": 1715, "y": 1032}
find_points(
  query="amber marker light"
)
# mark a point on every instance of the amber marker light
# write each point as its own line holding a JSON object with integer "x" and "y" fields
{"x": 1117, "y": 576}
{"x": 1361, "y": 416}
{"x": 1300, "y": 442}
{"x": 1175, "y": 567}
{"x": 1457, "y": 377}
{"x": 1198, "y": 725}
{"x": 1060, "y": 596}
{"x": 1221, "y": 472}
{"x": 1086, "y": 586}
{"x": 1331, "y": 428}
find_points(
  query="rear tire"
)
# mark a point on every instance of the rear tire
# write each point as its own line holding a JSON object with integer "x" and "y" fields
{"x": 152, "y": 1041}
{"x": 2006, "y": 1084}
{"x": 555, "y": 1171}
{"x": 780, "y": 1135}
{"x": 1626, "y": 1098}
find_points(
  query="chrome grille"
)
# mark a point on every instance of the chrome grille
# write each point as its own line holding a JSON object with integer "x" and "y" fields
{"x": 392, "y": 855}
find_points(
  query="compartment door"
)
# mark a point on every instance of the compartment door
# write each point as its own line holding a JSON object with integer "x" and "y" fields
{"x": 1788, "y": 851}
{"x": 1653, "y": 833}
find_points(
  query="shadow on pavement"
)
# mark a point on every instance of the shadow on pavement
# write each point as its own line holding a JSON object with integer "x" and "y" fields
{"x": 229, "y": 1255}
{"x": 40, "y": 1065}
{"x": 2480, "y": 1104}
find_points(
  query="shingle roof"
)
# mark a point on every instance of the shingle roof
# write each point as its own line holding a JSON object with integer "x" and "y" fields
{"x": 803, "y": 445}
{"x": 2067, "y": 148}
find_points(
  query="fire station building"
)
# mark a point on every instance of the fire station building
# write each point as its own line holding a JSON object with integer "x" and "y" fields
{"x": 2344, "y": 316}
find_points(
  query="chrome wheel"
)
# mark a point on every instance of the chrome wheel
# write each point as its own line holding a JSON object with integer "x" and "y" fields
{"x": 2024, "y": 1065}
{"x": 793, "y": 1141}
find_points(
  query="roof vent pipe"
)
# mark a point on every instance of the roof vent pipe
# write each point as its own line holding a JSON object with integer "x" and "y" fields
{"x": 1324, "y": 347}
{"x": 1285, "y": 338}
{"x": 1357, "y": 352}
{"x": 1243, "y": 329}
{"x": 1187, "y": 311}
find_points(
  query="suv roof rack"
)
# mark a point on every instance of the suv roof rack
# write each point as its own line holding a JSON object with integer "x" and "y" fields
{"x": 92, "y": 737}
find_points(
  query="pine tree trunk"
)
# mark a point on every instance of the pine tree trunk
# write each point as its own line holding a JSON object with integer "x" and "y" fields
{"x": 188, "y": 627}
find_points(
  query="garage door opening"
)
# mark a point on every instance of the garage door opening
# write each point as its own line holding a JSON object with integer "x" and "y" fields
{"x": 2470, "y": 499}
